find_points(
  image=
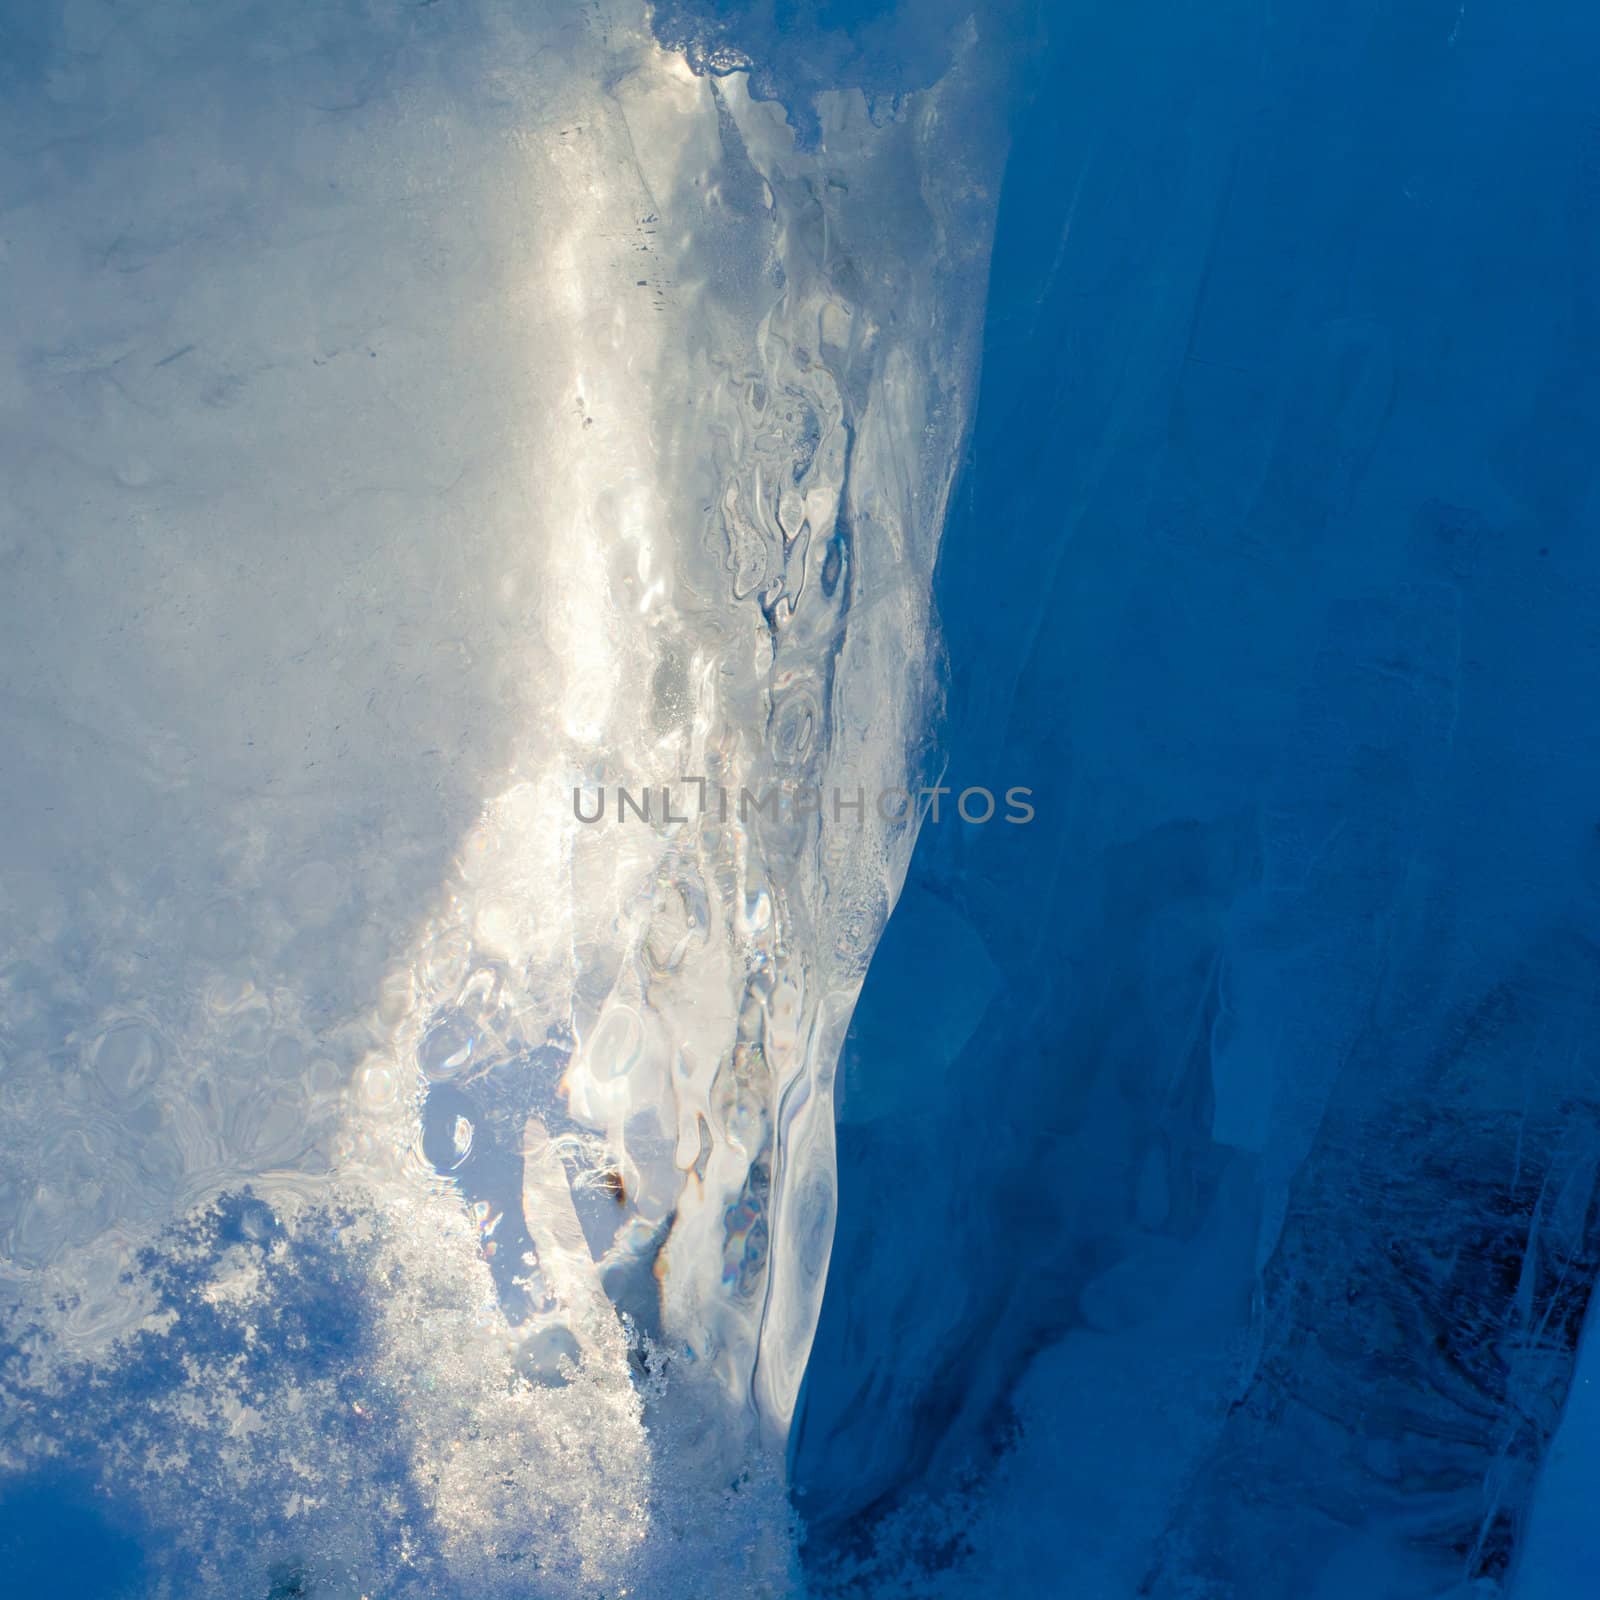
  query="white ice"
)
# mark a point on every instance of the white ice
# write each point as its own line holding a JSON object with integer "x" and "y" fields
{"x": 409, "y": 414}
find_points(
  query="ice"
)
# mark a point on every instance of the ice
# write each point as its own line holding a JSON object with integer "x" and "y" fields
{"x": 424, "y": 415}
{"x": 428, "y": 421}
{"x": 1559, "y": 1554}
{"x": 1243, "y": 1248}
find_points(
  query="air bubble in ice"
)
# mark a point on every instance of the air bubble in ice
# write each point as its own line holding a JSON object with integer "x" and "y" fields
{"x": 446, "y": 1047}
{"x": 127, "y": 1058}
{"x": 616, "y": 1043}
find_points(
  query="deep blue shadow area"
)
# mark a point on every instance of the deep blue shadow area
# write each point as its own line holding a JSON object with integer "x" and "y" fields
{"x": 1218, "y": 1152}
{"x": 56, "y": 1538}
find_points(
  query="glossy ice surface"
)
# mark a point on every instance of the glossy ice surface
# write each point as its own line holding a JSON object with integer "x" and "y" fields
{"x": 420, "y": 422}
{"x": 425, "y": 421}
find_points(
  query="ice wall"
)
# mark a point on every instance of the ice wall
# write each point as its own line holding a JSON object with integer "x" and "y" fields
{"x": 1261, "y": 1080}
{"x": 420, "y": 414}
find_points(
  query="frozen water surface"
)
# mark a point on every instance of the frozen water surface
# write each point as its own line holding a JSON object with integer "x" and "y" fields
{"x": 412, "y": 414}
{"x": 415, "y": 414}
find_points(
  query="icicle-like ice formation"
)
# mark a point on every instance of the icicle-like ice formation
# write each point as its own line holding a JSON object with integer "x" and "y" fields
{"x": 431, "y": 426}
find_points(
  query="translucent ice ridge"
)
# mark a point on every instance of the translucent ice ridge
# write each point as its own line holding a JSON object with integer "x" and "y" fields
{"x": 768, "y": 371}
